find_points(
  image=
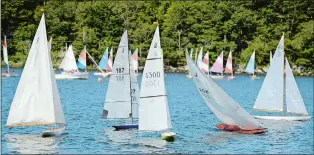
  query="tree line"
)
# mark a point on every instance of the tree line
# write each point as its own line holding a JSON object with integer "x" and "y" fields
{"x": 215, "y": 25}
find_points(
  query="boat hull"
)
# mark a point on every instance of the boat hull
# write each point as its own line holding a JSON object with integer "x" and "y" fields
{"x": 235, "y": 128}
{"x": 189, "y": 76}
{"x": 74, "y": 76}
{"x": 101, "y": 74}
{"x": 168, "y": 136}
{"x": 217, "y": 77}
{"x": 287, "y": 118}
{"x": 53, "y": 132}
{"x": 231, "y": 77}
{"x": 125, "y": 127}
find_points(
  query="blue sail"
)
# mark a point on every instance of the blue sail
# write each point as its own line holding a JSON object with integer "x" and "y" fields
{"x": 250, "y": 65}
{"x": 104, "y": 59}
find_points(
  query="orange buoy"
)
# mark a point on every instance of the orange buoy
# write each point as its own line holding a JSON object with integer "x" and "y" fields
{"x": 99, "y": 79}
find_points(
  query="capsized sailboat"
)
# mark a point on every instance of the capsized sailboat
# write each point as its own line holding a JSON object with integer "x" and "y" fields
{"x": 103, "y": 63}
{"x": 233, "y": 116}
{"x": 36, "y": 101}
{"x": 118, "y": 102}
{"x": 250, "y": 67}
{"x": 153, "y": 108}
{"x": 271, "y": 95}
{"x": 228, "y": 68}
{"x": 6, "y": 61}
{"x": 218, "y": 67}
{"x": 70, "y": 68}
{"x": 189, "y": 76}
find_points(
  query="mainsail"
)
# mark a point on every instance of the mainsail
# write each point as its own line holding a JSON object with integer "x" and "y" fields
{"x": 109, "y": 64}
{"x": 294, "y": 99}
{"x": 153, "y": 108}
{"x": 104, "y": 59}
{"x": 220, "y": 103}
{"x": 199, "y": 58}
{"x": 81, "y": 62}
{"x": 69, "y": 63}
{"x": 218, "y": 65}
{"x": 5, "y": 54}
{"x": 205, "y": 64}
{"x": 134, "y": 59}
{"x": 250, "y": 66}
{"x": 135, "y": 93}
{"x": 36, "y": 100}
{"x": 228, "y": 68}
{"x": 270, "y": 97}
{"x": 118, "y": 98}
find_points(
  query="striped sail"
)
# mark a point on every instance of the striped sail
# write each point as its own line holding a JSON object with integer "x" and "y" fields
{"x": 205, "y": 64}
{"x": 218, "y": 65}
{"x": 294, "y": 99}
{"x": 153, "y": 109}
{"x": 134, "y": 59}
{"x": 228, "y": 68}
{"x": 110, "y": 62}
{"x": 81, "y": 62}
{"x": 104, "y": 59}
{"x": 5, "y": 54}
{"x": 250, "y": 66}
{"x": 220, "y": 103}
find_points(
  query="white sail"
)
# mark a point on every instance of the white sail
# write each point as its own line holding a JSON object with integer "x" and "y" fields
{"x": 5, "y": 54}
{"x": 36, "y": 100}
{"x": 199, "y": 58}
{"x": 69, "y": 63}
{"x": 294, "y": 99}
{"x": 118, "y": 99}
{"x": 135, "y": 91}
{"x": 153, "y": 108}
{"x": 270, "y": 97}
{"x": 220, "y": 103}
{"x": 191, "y": 55}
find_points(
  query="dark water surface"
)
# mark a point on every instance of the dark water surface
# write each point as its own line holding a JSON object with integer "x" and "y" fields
{"x": 192, "y": 120}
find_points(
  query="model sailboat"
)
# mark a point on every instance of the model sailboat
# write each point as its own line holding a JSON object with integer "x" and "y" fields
{"x": 271, "y": 95}
{"x": 218, "y": 67}
{"x": 36, "y": 101}
{"x": 233, "y": 116}
{"x": 205, "y": 64}
{"x": 251, "y": 66}
{"x": 228, "y": 68}
{"x": 70, "y": 68}
{"x": 153, "y": 108}
{"x": 134, "y": 59}
{"x": 189, "y": 76}
{"x": 103, "y": 63}
{"x": 121, "y": 91}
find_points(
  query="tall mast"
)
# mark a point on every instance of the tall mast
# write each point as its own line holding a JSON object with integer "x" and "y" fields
{"x": 283, "y": 73}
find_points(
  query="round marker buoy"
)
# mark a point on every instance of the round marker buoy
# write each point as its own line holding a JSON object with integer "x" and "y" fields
{"x": 99, "y": 79}
{"x": 168, "y": 136}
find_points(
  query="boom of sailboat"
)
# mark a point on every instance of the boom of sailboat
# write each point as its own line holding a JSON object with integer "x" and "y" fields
{"x": 37, "y": 102}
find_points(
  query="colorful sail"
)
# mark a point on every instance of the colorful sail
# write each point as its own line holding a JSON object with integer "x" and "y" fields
{"x": 104, "y": 59}
{"x": 118, "y": 99}
{"x": 110, "y": 61}
{"x": 294, "y": 99}
{"x": 205, "y": 64}
{"x": 5, "y": 54}
{"x": 251, "y": 65}
{"x": 270, "y": 97}
{"x": 221, "y": 104}
{"x": 153, "y": 108}
{"x": 218, "y": 65}
{"x": 135, "y": 60}
{"x": 81, "y": 62}
{"x": 228, "y": 68}
{"x": 36, "y": 100}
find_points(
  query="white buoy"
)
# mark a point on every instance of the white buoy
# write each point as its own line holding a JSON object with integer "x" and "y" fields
{"x": 99, "y": 79}
{"x": 168, "y": 136}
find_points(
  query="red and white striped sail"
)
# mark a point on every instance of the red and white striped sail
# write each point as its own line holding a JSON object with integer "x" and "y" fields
{"x": 218, "y": 65}
{"x": 205, "y": 64}
{"x": 228, "y": 68}
{"x": 109, "y": 64}
{"x": 134, "y": 59}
